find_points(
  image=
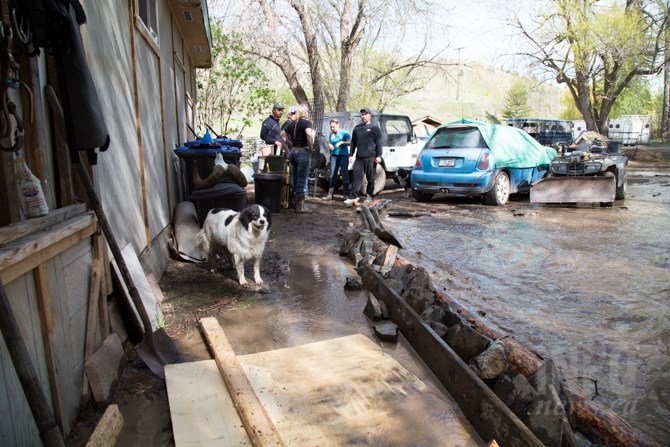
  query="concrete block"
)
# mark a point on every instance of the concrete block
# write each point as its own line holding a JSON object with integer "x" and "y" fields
{"x": 103, "y": 368}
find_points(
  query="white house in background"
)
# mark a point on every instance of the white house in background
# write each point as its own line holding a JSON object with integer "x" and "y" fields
{"x": 630, "y": 129}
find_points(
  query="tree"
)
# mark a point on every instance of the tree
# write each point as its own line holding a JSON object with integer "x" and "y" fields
{"x": 235, "y": 86}
{"x": 317, "y": 45}
{"x": 596, "y": 49}
{"x": 516, "y": 101}
{"x": 635, "y": 99}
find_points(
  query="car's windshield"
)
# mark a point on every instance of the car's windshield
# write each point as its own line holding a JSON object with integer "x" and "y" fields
{"x": 457, "y": 138}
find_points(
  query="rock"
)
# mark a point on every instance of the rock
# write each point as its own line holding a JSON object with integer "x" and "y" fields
{"x": 367, "y": 246}
{"x": 466, "y": 342}
{"x": 365, "y": 261}
{"x": 349, "y": 241}
{"x": 418, "y": 278}
{"x": 387, "y": 258}
{"x": 435, "y": 313}
{"x": 352, "y": 284}
{"x": 398, "y": 273}
{"x": 372, "y": 308}
{"x": 439, "y": 328}
{"x": 385, "y": 310}
{"x": 547, "y": 419}
{"x": 451, "y": 318}
{"x": 419, "y": 299}
{"x": 395, "y": 285}
{"x": 491, "y": 363}
{"x": 515, "y": 392}
{"x": 387, "y": 331}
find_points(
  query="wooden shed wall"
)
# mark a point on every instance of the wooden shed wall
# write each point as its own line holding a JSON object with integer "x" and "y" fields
{"x": 66, "y": 277}
{"x": 147, "y": 96}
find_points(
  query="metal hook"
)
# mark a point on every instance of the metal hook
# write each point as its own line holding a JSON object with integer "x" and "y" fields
{"x": 23, "y": 35}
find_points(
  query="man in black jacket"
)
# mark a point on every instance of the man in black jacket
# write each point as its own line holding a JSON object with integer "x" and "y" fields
{"x": 366, "y": 144}
{"x": 271, "y": 130}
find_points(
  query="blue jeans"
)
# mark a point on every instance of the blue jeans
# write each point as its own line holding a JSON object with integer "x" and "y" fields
{"x": 299, "y": 160}
{"x": 341, "y": 163}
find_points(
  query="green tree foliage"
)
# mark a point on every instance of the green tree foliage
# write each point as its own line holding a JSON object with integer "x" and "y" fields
{"x": 569, "y": 108}
{"x": 235, "y": 90}
{"x": 596, "y": 49}
{"x": 516, "y": 101}
{"x": 635, "y": 99}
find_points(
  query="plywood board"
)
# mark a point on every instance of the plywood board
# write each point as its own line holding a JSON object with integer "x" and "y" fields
{"x": 338, "y": 392}
{"x": 143, "y": 287}
{"x": 347, "y": 391}
{"x": 202, "y": 411}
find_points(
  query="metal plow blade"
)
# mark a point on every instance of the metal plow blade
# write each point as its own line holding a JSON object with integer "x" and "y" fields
{"x": 574, "y": 190}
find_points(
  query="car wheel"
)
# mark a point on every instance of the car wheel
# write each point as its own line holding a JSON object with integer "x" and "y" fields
{"x": 621, "y": 190}
{"x": 499, "y": 194}
{"x": 421, "y": 196}
{"x": 380, "y": 181}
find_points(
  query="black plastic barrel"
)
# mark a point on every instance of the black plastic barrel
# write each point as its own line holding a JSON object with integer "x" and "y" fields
{"x": 268, "y": 190}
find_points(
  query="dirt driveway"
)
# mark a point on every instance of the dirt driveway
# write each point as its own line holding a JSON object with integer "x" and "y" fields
{"x": 192, "y": 293}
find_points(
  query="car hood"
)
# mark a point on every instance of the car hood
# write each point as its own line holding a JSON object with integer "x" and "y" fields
{"x": 511, "y": 147}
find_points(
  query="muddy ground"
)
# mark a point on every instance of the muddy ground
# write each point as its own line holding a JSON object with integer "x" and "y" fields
{"x": 192, "y": 292}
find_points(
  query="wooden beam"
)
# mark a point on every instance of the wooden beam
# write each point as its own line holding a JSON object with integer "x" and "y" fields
{"x": 107, "y": 431}
{"x": 485, "y": 411}
{"x": 19, "y": 258}
{"x": 257, "y": 422}
{"x": 18, "y": 230}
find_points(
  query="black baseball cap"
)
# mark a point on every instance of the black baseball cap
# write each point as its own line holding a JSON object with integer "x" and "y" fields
{"x": 365, "y": 110}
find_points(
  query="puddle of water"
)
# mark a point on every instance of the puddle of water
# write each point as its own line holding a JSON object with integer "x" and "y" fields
{"x": 585, "y": 285}
{"x": 313, "y": 306}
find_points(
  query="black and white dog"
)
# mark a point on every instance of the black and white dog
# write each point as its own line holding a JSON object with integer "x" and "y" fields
{"x": 405, "y": 180}
{"x": 241, "y": 236}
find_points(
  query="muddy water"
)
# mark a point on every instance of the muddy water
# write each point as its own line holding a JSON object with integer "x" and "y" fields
{"x": 312, "y": 306}
{"x": 586, "y": 286}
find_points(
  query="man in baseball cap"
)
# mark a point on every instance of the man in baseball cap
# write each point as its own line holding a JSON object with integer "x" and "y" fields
{"x": 366, "y": 144}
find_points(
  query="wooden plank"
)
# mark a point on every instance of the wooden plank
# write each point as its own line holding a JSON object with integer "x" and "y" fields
{"x": 8, "y": 190}
{"x": 347, "y": 391}
{"x": 91, "y": 314}
{"x": 20, "y": 257}
{"x": 49, "y": 339}
{"x": 100, "y": 253}
{"x": 108, "y": 428}
{"x": 203, "y": 413}
{"x": 143, "y": 288}
{"x": 18, "y": 230}
{"x": 258, "y": 424}
{"x": 490, "y": 417}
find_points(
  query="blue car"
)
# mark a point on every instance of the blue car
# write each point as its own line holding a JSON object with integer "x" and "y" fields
{"x": 472, "y": 158}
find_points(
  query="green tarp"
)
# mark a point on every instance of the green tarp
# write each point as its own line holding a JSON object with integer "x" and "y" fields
{"x": 511, "y": 147}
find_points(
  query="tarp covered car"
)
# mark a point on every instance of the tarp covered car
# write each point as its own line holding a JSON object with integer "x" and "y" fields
{"x": 474, "y": 158}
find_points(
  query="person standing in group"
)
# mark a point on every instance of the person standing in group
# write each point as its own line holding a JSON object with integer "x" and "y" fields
{"x": 291, "y": 116}
{"x": 340, "y": 139}
{"x": 366, "y": 144}
{"x": 301, "y": 134}
{"x": 271, "y": 130}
